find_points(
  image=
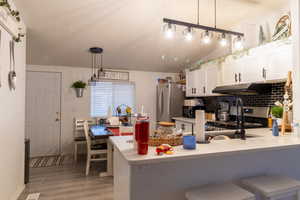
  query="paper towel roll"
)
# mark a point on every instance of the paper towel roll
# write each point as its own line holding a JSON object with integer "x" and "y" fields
{"x": 200, "y": 126}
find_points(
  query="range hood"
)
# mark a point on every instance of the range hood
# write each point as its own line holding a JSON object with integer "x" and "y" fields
{"x": 244, "y": 89}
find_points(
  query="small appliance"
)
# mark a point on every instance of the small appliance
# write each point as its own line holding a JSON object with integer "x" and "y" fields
{"x": 190, "y": 106}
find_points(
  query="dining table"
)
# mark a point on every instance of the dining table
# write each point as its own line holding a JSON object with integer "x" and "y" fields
{"x": 103, "y": 132}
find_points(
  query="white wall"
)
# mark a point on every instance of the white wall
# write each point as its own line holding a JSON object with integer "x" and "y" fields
{"x": 80, "y": 107}
{"x": 12, "y": 119}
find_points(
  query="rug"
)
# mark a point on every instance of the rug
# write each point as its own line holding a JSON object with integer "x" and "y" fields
{"x": 48, "y": 161}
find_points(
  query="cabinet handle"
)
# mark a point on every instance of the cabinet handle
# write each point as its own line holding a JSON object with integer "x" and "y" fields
{"x": 235, "y": 78}
{"x": 240, "y": 77}
{"x": 195, "y": 90}
{"x": 204, "y": 90}
{"x": 264, "y": 73}
{"x": 183, "y": 127}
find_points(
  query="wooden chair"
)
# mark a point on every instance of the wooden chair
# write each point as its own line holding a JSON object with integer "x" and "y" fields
{"x": 94, "y": 152}
{"x": 79, "y": 137}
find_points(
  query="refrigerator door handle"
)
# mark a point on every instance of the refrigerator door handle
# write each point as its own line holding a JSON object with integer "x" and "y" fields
{"x": 160, "y": 102}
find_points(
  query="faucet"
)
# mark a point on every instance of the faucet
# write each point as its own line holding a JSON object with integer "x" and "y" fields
{"x": 240, "y": 118}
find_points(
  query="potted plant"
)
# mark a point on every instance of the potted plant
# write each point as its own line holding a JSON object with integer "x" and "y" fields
{"x": 277, "y": 113}
{"x": 79, "y": 86}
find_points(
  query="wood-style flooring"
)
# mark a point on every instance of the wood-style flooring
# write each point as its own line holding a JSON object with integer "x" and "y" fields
{"x": 68, "y": 182}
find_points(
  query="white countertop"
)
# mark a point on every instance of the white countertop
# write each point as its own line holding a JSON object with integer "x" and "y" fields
{"x": 261, "y": 140}
{"x": 184, "y": 119}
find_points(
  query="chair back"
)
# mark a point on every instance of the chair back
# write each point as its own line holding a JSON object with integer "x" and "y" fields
{"x": 78, "y": 126}
{"x": 87, "y": 135}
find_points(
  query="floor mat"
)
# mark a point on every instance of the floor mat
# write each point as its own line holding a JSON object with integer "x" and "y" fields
{"x": 48, "y": 161}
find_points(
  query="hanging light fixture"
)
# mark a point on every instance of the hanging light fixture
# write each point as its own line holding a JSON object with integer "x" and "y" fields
{"x": 238, "y": 43}
{"x": 207, "y": 35}
{"x": 169, "y": 30}
{"x": 223, "y": 40}
{"x": 97, "y": 69}
{"x": 188, "y": 34}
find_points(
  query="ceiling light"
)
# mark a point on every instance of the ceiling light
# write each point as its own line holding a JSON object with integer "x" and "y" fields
{"x": 223, "y": 40}
{"x": 188, "y": 34}
{"x": 238, "y": 44}
{"x": 206, "y": 37}
{"x": 169, "y": 30}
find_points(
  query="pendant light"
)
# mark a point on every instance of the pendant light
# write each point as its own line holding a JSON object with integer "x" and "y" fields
{"x": 188, "y": 34}
{"x": 206, "y": 37}
{"x": 96, "y": 53}
{"x": 238, "y": 43}
{"x": 223, "y": 40}
{"x": 169, "y": 30}
{"x": 209, "y": 31}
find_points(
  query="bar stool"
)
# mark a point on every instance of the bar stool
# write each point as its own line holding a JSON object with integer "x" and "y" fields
{"x": 227, "y": 191}
{"x": 273, "y": 187}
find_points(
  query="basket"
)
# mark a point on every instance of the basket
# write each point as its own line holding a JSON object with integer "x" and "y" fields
{"x": 171, "y": 140}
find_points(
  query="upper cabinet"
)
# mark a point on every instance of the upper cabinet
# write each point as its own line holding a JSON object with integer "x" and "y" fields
{"x": 264, "y": 63}
{"x": 202, "y": 81}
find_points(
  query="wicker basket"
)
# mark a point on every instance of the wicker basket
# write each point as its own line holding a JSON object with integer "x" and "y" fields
{"x": 171, "y": 140}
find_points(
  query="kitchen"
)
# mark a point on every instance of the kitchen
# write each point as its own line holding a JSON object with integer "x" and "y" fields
{"x": 190, "y": 100}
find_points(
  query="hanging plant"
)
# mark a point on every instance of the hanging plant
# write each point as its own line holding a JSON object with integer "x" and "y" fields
{"x": 79, "y": 87}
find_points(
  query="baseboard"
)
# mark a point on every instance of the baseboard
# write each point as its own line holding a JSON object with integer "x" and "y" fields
{"x": 18, "y": 192}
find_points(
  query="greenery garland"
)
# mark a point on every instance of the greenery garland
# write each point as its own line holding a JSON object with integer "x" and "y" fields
{"x": 15, "y": 14}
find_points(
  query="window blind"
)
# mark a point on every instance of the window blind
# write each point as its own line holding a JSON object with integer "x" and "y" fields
{"x": 111, "y": 94}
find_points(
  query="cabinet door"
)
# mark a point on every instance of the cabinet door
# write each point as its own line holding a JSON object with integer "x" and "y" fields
{"x": 200, "y": 82}
{"x": 185, "y": 127}
{"x": 280, "y": 62}
{"x": 230, "y": 71}
{"x": 253, "y": 67}
{"x": 212, "y": 76}
{"x": 190, "y": 83}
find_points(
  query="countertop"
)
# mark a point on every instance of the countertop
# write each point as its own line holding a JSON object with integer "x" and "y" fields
{"x": 184, "y": 119}
{"x": 260, "y": 140}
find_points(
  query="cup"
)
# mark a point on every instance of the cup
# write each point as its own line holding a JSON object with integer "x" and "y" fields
{"x": 189, "y": 142}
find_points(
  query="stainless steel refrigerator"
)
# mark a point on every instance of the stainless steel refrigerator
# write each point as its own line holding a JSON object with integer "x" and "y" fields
{"x": 170, "y": 98}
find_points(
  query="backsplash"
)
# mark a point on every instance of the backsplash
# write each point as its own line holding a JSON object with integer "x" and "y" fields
{"x": 266, "y": 100}
{"x": 262, "y": 100}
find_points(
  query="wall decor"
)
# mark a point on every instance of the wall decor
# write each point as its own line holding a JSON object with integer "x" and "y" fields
{"x": 116, "y": 75}
{"x": 10, "y": 21}
{"x": 12, "y": 75}
{"x": 282, "y": 28}
{"x": 79, "y": 87}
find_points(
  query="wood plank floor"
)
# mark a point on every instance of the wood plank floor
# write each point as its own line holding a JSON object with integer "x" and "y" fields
{"x": 68, "y": 182}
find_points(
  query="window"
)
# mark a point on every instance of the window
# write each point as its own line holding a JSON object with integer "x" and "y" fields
{"x": 111, "y": 94}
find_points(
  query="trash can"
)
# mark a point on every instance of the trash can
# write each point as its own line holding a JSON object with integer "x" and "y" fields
{"x": 27, "y": 161}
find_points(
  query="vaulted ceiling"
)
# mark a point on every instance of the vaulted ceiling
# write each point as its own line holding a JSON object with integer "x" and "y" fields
{"x": 130, "y": 31}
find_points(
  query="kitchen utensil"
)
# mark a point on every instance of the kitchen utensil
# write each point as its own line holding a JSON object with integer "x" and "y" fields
{"x": 12, "y": 75}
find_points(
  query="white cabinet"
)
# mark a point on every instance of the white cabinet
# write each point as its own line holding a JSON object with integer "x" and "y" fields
{"x": 184, "y": 126}
{"x": 230, "y": 70}
{"x": 265, "y": 63}
{"x": 280, "y": 61}
{"x": 212, "y": 77}
{"x": 195, "y": 81}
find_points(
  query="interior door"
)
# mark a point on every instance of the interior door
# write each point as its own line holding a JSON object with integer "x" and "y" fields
{"x": 43, "y": 108}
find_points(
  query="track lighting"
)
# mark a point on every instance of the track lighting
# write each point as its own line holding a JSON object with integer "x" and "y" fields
{"x": 169, "y": 30}
{"x": 223, "y": 40}
{"x": 238, "y": 43}
{"x": 188, "y": 34}
{"x": 206, "y": 37}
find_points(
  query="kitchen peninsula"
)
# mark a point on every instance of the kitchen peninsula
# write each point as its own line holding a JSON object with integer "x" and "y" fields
{"x": 169, "y": 176}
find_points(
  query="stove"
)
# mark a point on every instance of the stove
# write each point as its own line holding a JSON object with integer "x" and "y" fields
{"x": 255, "y": 117}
